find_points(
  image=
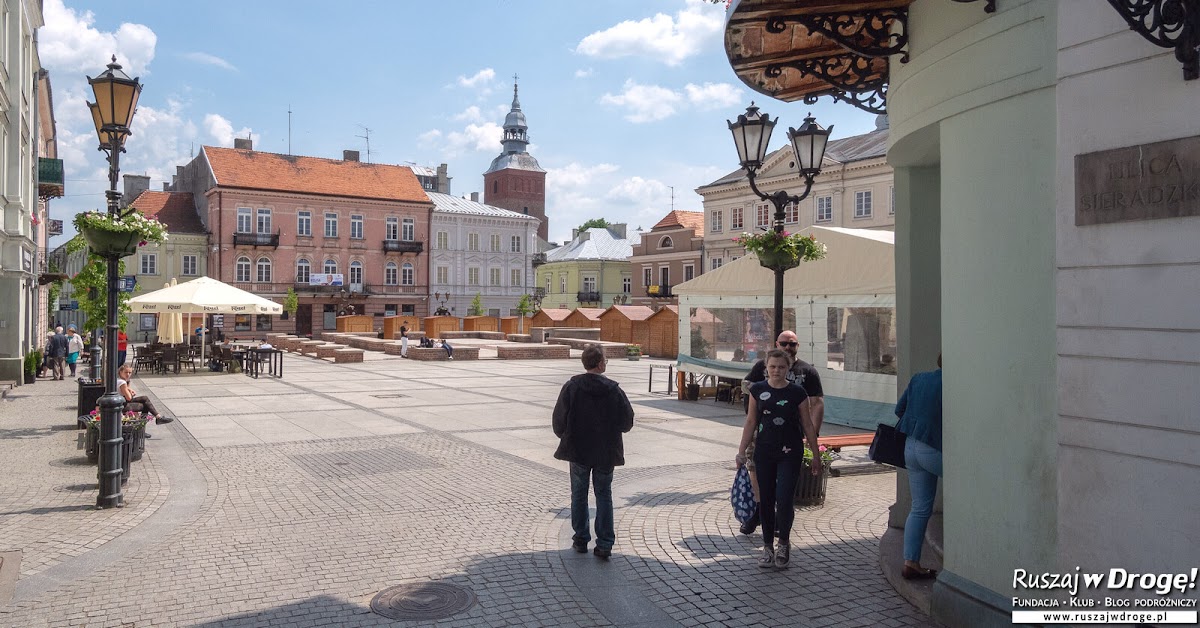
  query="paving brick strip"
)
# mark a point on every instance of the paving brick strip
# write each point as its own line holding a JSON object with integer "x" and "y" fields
{"x": 292, "y": 503}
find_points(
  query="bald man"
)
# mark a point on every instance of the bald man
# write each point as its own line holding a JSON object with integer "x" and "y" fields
{"x": 801, "y": 373}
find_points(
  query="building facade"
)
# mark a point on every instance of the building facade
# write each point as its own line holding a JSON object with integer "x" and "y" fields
{"x": 592, "y": 270}
{"x": 50, "y": 185}
{"x": 19, "y": 130}
{"x": 854, "y": 190}
{"x": 346, "y": 236}
{"x": 478, "y": 249}
{"x": 515, "y": 181}
{"x": 670, "y": 253}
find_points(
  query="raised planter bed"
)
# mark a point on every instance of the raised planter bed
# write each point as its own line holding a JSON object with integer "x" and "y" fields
{"x": 328, "y": 350}
{"x": 481, "y": 335}
{"x": 309, "y": 347}
{"x": 342, "y": 356}
{"x": 533, "y": 352}
{"x": 436, "y": 354}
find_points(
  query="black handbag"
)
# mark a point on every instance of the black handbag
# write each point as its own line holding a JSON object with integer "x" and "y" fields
{"x": 888, "y": 446}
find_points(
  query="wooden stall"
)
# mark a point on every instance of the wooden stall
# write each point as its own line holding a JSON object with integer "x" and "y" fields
{"x": 355, "y": 323}
{"x": 512, "y": 325}
{"x": 662, "y": 334}
{"x": 433, "y": 326}
{"x": 584, "y": 317}
{"x": 625, "y": 323}
{"x": 480, "y": 323}
{"x": 550, "y": 317}
{"x": 392, "y": 325}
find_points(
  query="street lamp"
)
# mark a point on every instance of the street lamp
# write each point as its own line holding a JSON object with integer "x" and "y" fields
{"x": 116, "y": 101}
{"x": 751, "y": 136}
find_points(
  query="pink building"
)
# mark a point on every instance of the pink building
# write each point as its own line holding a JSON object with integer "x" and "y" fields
{"x": 345, "y": 235}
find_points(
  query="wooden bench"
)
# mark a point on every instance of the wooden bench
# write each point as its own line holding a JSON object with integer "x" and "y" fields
{"x": 837, "y": 441}
{"x": 533, "y": 352}
{"x": 342, "y": 356}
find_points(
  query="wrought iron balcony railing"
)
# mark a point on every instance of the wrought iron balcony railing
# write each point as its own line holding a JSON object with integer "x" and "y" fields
{"x": 403, "y": 246}
{"x": 50, "y": 178}
{"x": 257, "y": 239}
{"x": 587, "y": 296}
{"x": 660, "y": 291}
{"x": 538, "y": 259}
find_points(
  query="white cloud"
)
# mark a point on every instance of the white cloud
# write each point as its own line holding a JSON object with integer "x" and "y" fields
{"x": 475, "y": 137}
{"x": 712, "y": 95}
{"x": 644, "y": 103}
{"x": 583, "y": 73}
{"x": 221, "y": 130}
{"x": 429, "y": 138}
{"x": 575, "y": 175}
{"x": 638, "y": 191}
{"x": 470, "y": 114}
{"x": 663, "y": 38}
{"x": 207, "y": 59}
{"x": 481, "y": 77}
{"x": 70, "y": 44}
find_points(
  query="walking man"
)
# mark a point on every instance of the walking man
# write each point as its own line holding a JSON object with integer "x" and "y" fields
{"x": 591, "y": 414}
{"x": 58, "y": 347}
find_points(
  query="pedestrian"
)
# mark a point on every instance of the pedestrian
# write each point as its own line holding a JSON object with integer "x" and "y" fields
{"x": 920, "y": 412}
{"x": 778, "y": 421}
{"x": 74, "y": 348}
{"x": 47, "y": 351}
{"x": 403, "y": 341}
{"x": 800, "y": 372}
{"x": 122, "y": 347}
{"x": 591, "y": 414}
{"x": 58, "y": 347}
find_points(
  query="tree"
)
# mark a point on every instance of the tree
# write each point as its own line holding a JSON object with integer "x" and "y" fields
{"x": 476, "y": 308}
{"x": 524, "y": 308}
{"x": 291, "y": 303}
{"x": 90, "y": 287}
{"x": 595, "y": 222}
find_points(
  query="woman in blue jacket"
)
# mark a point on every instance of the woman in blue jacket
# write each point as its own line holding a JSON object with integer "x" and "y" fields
{"x": 920, "y": 412}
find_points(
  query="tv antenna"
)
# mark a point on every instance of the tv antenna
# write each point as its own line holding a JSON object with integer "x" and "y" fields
{"x": 289, "y": 128}
{"x": 672, "y": 197}
{"x": 366, "y": 136}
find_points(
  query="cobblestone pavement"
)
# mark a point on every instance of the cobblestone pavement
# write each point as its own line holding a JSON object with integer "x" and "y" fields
{"x": 293, "y": 502}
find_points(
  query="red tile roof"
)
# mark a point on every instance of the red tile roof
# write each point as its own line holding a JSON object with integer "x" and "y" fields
{"x": 680, "y": 218}
{"x": 174, "y": 209}
{"x": 256, "y": 170}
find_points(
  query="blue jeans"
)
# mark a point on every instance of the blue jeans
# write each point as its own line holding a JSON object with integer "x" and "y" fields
{"x": 602, "y": 484}
{"x": 924, "y": 465}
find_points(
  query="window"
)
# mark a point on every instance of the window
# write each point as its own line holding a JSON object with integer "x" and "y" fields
{"x": 714, "y": 263}
{"x": 666, "y": 243}
{"x": 548, "y": 280}
{"x": 689, "y": 272}
{"x": 390, "y": 273}
{"x": 241, "y": 270}
{"x": 443, "y": 274}
{"x": 562, "y": 284}
{"x": 330, "y": 267}
{"x": 263, "y": 268}
{"x": 514, "y": 278}
{"x": 824, "y": 208}
{"x": 443, "y": 240}
{"x": 791, "y": 213}
{"x": 589, "y": 284}
{"x": 664, "y": 276}
{"x": 735, "y": 218}
{"x": 714, "y": 221}
{"x": 891, "y": 201}
{"x": 647, "y": 276}
{"x": 762, "y": 215}
{"x": 472, "y": 241}
{"x": 515, "y": 244}
{"x": 392, "y": 229}
{"x": 626, "y": 284}
{"x": 410, "y": 230}
{"x": 494, "y": 273}
{"x": 495, "y": 242}
{"x": 303, "y": 270}
{"x": 189, "y": 265}
{"x": 243, "y": 220}
{"x": 149, "y": 264}
{"x": 264, "y": 220}
{"x": 241, "y": 322}
{"x": 304, "y": 223}
{"x": 262, "y": 322}
{"x": 148, "y": 322}
{"x": 331, "y": 220}
{"x": 356, "y": 273}
{"x": 356, "y": 227}
{"x": 472, "y": 276}
{"x": 862, "y": 204}
{"x": 406, "y": 274}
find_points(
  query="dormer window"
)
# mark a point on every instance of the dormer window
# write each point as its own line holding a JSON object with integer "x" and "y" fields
{"x": 665, "y": 243}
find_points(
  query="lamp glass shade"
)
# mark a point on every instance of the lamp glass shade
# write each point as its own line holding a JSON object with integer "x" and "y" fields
{"x": 116, "y": 95}
{"x": 808, "y": 144}
{"x": 103, "y": 133}
{"x": 751, "y": 136}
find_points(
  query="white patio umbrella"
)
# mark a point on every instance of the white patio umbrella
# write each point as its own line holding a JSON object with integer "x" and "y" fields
{"x": 170, "y": 324}
{"x": 204, "y": 295}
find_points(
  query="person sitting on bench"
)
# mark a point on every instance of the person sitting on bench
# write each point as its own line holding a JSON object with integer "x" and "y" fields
{"x": 134, "y": 402}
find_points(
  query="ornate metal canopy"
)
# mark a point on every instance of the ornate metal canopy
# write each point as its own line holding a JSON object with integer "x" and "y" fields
{"x": 1167, "y": 23}
{"x": 804, "y": 49}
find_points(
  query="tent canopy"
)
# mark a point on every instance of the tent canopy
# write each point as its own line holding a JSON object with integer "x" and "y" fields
{"x": 859, "y": 261}
{"x": 204, "y": 295}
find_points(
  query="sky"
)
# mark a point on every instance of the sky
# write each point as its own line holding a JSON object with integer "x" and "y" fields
{"x": 625, "y": 99}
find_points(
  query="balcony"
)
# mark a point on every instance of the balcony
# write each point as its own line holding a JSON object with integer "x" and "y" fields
{"x": 538, "y": 259}
{"x": 50, "y": 178}
{"x": 588, "y": 296}
{"x": 257, "y": 239}
{"x": 660, "y": 291}
{"x": 403, "y": 246}
{"x": 379, "y": 288}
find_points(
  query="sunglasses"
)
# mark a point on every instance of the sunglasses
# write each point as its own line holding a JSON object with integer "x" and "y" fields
{"x": 789, "y": 344}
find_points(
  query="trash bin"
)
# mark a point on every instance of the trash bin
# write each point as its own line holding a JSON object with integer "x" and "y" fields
{"x": 90, "y": 392}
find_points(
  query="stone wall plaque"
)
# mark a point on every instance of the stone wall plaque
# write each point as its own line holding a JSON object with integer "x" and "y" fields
{"x": 1146, "y": 182}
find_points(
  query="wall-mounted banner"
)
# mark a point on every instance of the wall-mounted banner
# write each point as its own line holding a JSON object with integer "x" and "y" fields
{"x": 325, "y": 279}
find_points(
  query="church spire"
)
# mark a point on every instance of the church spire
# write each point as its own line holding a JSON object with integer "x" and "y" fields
{"x": 514, "y": 137}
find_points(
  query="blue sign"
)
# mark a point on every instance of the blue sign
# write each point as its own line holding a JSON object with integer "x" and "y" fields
{"x": 127, "y": 283}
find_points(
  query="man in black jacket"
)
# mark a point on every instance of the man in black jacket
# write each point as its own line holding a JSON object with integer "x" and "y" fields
{"x": 591, "y": 414}
{"x": 58, "y": 347}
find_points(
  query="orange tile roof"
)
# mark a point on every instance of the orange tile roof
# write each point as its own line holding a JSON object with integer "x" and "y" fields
{"x": 174, "y": 209}
{"x": 256, "y": 170}
{"x": 632, "y": 312}
{"x": 679, "y": 218}
{"x": 555, "y": 313}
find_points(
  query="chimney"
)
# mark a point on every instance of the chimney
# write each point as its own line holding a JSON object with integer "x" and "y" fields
{"x": 243, "y": 143}
{"x": 349, "y": 155}
{"x": 475, "y": 197}
{"x": 574, "y": 233}
{"x": 619, "y": 229}
{"x": 166, "y": 187}
{"x": 443, "y": 180}
{"x": 585, "y": 235}
{"x": 134, "y": 184}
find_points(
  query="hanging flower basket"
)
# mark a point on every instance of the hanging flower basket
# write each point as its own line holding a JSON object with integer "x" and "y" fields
{"x": 108, "y": 243}
{"x": 781, "y": 251}
{"x": 108, "y": 235}
{"x": 778, "y": 260}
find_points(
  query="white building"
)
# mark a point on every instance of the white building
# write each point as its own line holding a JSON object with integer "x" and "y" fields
{"x": 480, "y": 250}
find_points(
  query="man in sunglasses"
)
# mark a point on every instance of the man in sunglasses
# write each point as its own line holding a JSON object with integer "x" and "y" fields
{"x": 801, "y": 373}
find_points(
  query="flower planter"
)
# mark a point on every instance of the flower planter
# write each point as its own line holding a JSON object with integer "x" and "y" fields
{"x": 30, "y": 378}
{"x": 778, "y": 260}
{"x": 107, "y": 243}
{"x": 810, "y": 490}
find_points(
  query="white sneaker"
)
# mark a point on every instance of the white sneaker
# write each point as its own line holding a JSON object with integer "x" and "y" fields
{"x": 782, "y": 556}
{"x": 767, "y": 560}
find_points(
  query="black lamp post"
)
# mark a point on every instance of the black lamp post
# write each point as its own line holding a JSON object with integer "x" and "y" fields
{"x": 116, "y": 101}
{"x": 751, "y": 135}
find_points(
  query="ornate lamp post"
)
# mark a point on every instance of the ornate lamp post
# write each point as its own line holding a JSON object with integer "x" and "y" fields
{"x": 751, "y": 135}
{"x": 116, "y": 101}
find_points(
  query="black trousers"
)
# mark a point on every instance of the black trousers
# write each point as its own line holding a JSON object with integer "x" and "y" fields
{"x": 777, "y": 477}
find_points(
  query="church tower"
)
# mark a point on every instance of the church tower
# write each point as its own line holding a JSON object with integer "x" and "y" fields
{"x": 515, "y": 181}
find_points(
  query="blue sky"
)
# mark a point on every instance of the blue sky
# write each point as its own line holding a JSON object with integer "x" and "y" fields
{"x": 624, "y": 98}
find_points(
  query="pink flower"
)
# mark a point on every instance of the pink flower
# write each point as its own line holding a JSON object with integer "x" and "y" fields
{"x": 142, "y": 243}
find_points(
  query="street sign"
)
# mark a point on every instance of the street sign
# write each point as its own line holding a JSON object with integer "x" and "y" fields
{"x": 127, "y": 283}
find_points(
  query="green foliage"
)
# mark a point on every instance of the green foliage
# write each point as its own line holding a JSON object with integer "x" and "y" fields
{"x": 476, "y": 308}
{"x": 595, "y": 222}
{"x": 291, "y": 303}
{"x": 91, "y": 289}
{"x": 32, "y": 360}
{"x": 55, "y": 291}
{"x": 700, "y": 346}
{"x": 129, "y": 221}
{"x": 524, "y": 308}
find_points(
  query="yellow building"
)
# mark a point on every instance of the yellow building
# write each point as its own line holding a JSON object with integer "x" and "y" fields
{"x": 592, "y": 270}
{"x": 183, "y": 256}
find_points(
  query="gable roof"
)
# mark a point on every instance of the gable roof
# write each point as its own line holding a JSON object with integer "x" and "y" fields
{"x": 257, "y": 170}
{"x": 681, "y": 219}
{"x": 632, "y": 312}
{"x": 450, "y": 204}
{"x": 845, "y": 150}
{"x": 555, "y": 313}
{"x": 590, "y": 313}
{"x": 176, "y": 210}
{"x": 599, "y": 243}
